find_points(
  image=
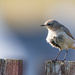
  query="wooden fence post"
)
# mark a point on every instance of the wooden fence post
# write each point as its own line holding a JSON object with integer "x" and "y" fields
{"x": 11, "y": 67}
{"x": 60, "y": 68}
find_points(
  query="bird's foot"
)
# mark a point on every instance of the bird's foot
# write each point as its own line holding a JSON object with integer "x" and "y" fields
{"x": 55, "y": 60}
{"x": 63, "y": 60}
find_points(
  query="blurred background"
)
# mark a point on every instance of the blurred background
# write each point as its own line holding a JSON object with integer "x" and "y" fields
{"x": 21, "y": 36}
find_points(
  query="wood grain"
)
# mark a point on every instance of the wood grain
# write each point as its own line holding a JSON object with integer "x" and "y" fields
{"x": 11, "y": 67}
{"x": 60, "y": 68}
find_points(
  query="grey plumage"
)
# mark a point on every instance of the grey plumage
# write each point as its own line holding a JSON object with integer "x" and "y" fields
{"x": 57, "y": 26}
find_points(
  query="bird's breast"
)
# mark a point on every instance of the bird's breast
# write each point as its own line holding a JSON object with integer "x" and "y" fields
{"x": 50, "y": 35}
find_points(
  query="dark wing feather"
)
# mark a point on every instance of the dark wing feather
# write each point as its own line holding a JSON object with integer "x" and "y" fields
{"x": 67, "y": 32}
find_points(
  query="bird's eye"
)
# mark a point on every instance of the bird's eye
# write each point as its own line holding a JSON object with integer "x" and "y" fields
{"x": 48, "y": 24}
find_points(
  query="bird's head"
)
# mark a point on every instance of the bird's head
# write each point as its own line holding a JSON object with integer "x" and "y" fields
{"x": 49, "y": 24}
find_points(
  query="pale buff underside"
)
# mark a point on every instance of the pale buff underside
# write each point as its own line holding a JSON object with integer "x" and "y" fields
{"x": 68, "y": 42}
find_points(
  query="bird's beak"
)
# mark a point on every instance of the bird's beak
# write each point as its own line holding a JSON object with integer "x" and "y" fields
{"x": 42, "y": 25}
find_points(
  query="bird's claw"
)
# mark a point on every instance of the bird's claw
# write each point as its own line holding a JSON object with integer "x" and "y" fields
{"x": 55, "y": 60}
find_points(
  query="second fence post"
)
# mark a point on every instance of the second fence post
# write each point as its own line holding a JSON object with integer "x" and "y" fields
{"x": 11, "y": 67}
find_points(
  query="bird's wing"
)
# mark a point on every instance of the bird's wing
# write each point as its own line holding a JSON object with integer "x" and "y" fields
{"x": 67, "y": 32}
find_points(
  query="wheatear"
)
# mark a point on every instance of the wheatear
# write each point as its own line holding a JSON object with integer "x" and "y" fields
{"x": 59, "y": 36}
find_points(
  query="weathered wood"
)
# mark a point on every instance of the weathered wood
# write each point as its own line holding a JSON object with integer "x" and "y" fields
{"x": 60, "y": 68}
{"x": 11, "y": 67}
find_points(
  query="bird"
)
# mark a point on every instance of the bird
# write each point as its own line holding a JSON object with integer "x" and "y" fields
{"x": 59, "y": 37}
